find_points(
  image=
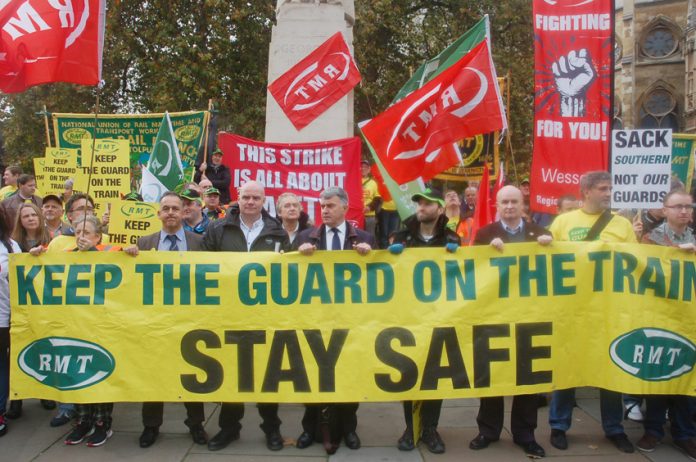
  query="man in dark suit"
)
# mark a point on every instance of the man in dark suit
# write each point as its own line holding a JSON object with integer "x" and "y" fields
{"x": 173, "y": 237}
{"x": 334, "y": 234}
{"x": 511, "y": 228}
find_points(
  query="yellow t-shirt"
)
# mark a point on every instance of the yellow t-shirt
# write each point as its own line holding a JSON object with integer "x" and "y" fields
{"x": 389, "y": 206}
{"x": 370, "y": 191}
{"x": 62, "y": 244}
{"x": 7, "y": 191}
{"x": 574, "y": 226}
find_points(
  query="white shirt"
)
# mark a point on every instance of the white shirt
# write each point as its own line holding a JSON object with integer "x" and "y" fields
{"x": 5, "y": 282}
{"x": 329, "y": 234}
{"x": 251, "y": 233}
{"x": 516, "y": 229}
{"x": 165, "y": 244}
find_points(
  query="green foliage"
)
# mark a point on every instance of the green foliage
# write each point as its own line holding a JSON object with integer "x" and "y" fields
{"x": 175, "y": 55}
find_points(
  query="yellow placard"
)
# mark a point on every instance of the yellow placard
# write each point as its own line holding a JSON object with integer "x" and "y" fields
{"x": 60, "y": 165}
{"x": 39, "y": 174}
{"x": 266, "y": 327}
{"x": 130, "y": 220}
{"x": 105, "y": 174}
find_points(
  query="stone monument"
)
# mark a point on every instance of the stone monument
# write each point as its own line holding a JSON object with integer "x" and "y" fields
{"x": 301, "y": 27}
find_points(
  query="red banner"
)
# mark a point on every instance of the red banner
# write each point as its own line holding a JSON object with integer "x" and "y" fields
{"x": 314, "y": 84}
{"x": 304, "y": 169}
{"x": 573, "y": 52}
{"x": 414, "y": 137}
{"x": 46, "y": 41}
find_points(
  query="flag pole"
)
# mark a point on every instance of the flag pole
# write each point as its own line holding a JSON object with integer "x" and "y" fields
{"x": 94, "y": 143}
{"x": 48, "y": 133}
{"x": 207, "y": 130}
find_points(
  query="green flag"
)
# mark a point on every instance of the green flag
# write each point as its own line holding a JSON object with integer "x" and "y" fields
{"x": 401, "y": 194}
{"x": 164, "y": 171}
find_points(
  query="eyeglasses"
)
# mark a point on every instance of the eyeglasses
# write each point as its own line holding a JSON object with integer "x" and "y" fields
{"x": 679, "y": 206}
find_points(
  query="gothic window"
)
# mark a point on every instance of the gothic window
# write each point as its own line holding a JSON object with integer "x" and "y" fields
{"x": 659, "y": 110}
{"x": 659, "y": 42}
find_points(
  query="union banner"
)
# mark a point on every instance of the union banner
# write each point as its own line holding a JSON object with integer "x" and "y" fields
{"x": 337, "y": 326}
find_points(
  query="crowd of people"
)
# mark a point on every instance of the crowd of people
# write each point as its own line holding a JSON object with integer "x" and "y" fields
{"x": 202, "y": 218}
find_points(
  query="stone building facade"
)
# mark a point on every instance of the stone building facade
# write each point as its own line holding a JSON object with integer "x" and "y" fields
{"x": 655, "y": 63}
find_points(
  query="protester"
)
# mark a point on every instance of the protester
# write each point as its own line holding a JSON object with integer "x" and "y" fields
{"x": 30, "y": 229}
{"x": 195, "y": 221}
{"x": 510, "y": 229}
{"x": 67, "y": 190}
{"x": 674, "y": 232}
{"x": 94, "y": 420}
{"x": 8, "y": 246}
{"x": 78, "y": 206}
{"x": 594, "y": 221}
{"x": 9, "y": 180}
{"x": 567, "y": 203}
{"x": 292, "y": 217}
{"x": 26, "y": 187}
{"x": 211, "y": 200}
{"x": 334, "y": 234}
{"x": 172, "y": 237}
{"x": 218, "y": 174}
{"x": 52, "y": 210}
{"x": 247, "y": 228}
{"x": 371, "y": 197}
{"x": 461, "y": 225}
{"x": 469, "y": 203}
{"x": 428, "y": 227}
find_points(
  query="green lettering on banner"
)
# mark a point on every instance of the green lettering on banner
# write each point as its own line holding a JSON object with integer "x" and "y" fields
{"x": 106, "y": 277}
{"x": 689, "y": 280}
{"x": 51, "y": 284}
{"x": 148, "y": 271}
{"x": 203, "y": 284}
{"x": 598, "y": 258}
{"x": 74, "y": 283}
{"x": 373, "y": 272}
{"x": 292, "y": 285}
{"x": 25, "y": 285}
{"x": 433, "y": 275}
{"x": 624, "y": 265}
{"x": 315, "y": 285}
{"x": 539, "y": 275}
{"x": 653, "y": 278}
{"x": 559, "y": 273}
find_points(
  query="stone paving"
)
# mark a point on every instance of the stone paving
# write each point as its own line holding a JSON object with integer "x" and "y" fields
{"x": 30, "y": 438}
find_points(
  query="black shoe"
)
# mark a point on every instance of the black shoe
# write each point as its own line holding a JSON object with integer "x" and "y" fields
{"x": 48, "y": 404}
{"x": 148, "y": 436}
{"x": 532, "y": 449}
{"x": 198, "y": 434}
{"x": 622, "y": 443}
{"x": 480, "y": 442}
{"x": 224, "y": 437}
{"x": 406, "y": 441}
{"x": 558, "y": 439}
{"x": 432, "y": 440}
{"x": 15, "y": 410}
{"x": 304, "y": 441}
{"x": 352, "y": 440}
{"x": 274, "y": 442}
{"x": 62, "y": 418}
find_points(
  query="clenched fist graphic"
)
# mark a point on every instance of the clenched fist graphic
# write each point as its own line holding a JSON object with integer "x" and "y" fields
{"x": 573, "y": 75}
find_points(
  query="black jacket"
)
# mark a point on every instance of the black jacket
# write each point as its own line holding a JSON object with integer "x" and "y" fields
{"x": 410, "y": 236}
{"x": 221, "y": 178}
{"x": 226, "y": 235}
{"x": 485, "y": 235}
{"x": 316, "y": 236}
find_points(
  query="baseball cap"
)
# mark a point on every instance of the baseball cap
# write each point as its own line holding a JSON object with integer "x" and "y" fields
{"x": 191, "y": 195}
{"x": 211, "y": 190}
{"x": 430, "y": 194}
{"x": 52, "y": 197}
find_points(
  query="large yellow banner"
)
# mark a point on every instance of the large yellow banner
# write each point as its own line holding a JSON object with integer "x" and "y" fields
{"x": 265, "y": 327}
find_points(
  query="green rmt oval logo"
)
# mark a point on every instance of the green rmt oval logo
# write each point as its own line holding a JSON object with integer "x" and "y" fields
{"x": 66, "y": 363}
{"x": 653, "y": 354}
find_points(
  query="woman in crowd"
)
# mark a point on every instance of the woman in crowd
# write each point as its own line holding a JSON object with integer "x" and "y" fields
{"x": 30, "y": 228}
{"x": 7, "y": 246}
{"x": 94, "y": 420}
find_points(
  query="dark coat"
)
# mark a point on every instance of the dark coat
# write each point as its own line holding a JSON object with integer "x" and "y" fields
{"x": 410, "y": 236}
{"x": 485, "y": 235}
{"x": 194, "y": 242}
{"x": 316, "y": 237}
{"x": 221, "y": 178}
{"x": 226, "y": 235}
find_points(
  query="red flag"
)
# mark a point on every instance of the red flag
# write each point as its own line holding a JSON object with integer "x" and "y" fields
{"x": 414, "y": 137}
{"x": 482, "y": 214}
{"x": 314, "y": 84}
{"x": 50, "y": 41}
{"x": 500, "y": 182}
{"x": 381, "y": 187}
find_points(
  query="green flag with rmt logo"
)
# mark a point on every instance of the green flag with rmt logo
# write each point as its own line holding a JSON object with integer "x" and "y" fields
{"x": 164, "y": 171}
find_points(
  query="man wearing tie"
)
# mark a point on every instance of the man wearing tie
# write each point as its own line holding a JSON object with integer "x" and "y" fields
{"x": 174, "y": 238}
{"x": 334, "y": 234}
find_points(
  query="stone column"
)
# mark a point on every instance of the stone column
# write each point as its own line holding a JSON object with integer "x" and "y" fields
{"x": 301, "y": 27}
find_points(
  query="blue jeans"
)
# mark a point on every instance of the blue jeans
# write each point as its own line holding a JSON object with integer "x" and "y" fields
{"x": 681, "y": 409}
{"x": 610, "y": 404}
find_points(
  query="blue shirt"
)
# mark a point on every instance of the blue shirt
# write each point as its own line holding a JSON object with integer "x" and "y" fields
{"x": 165, "y": 244}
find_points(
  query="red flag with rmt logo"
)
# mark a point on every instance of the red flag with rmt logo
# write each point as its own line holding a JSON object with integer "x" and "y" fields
{"x": 414, "y": 137}
{"x": 46, "y": 41}
{"x": 314, "y": 84}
